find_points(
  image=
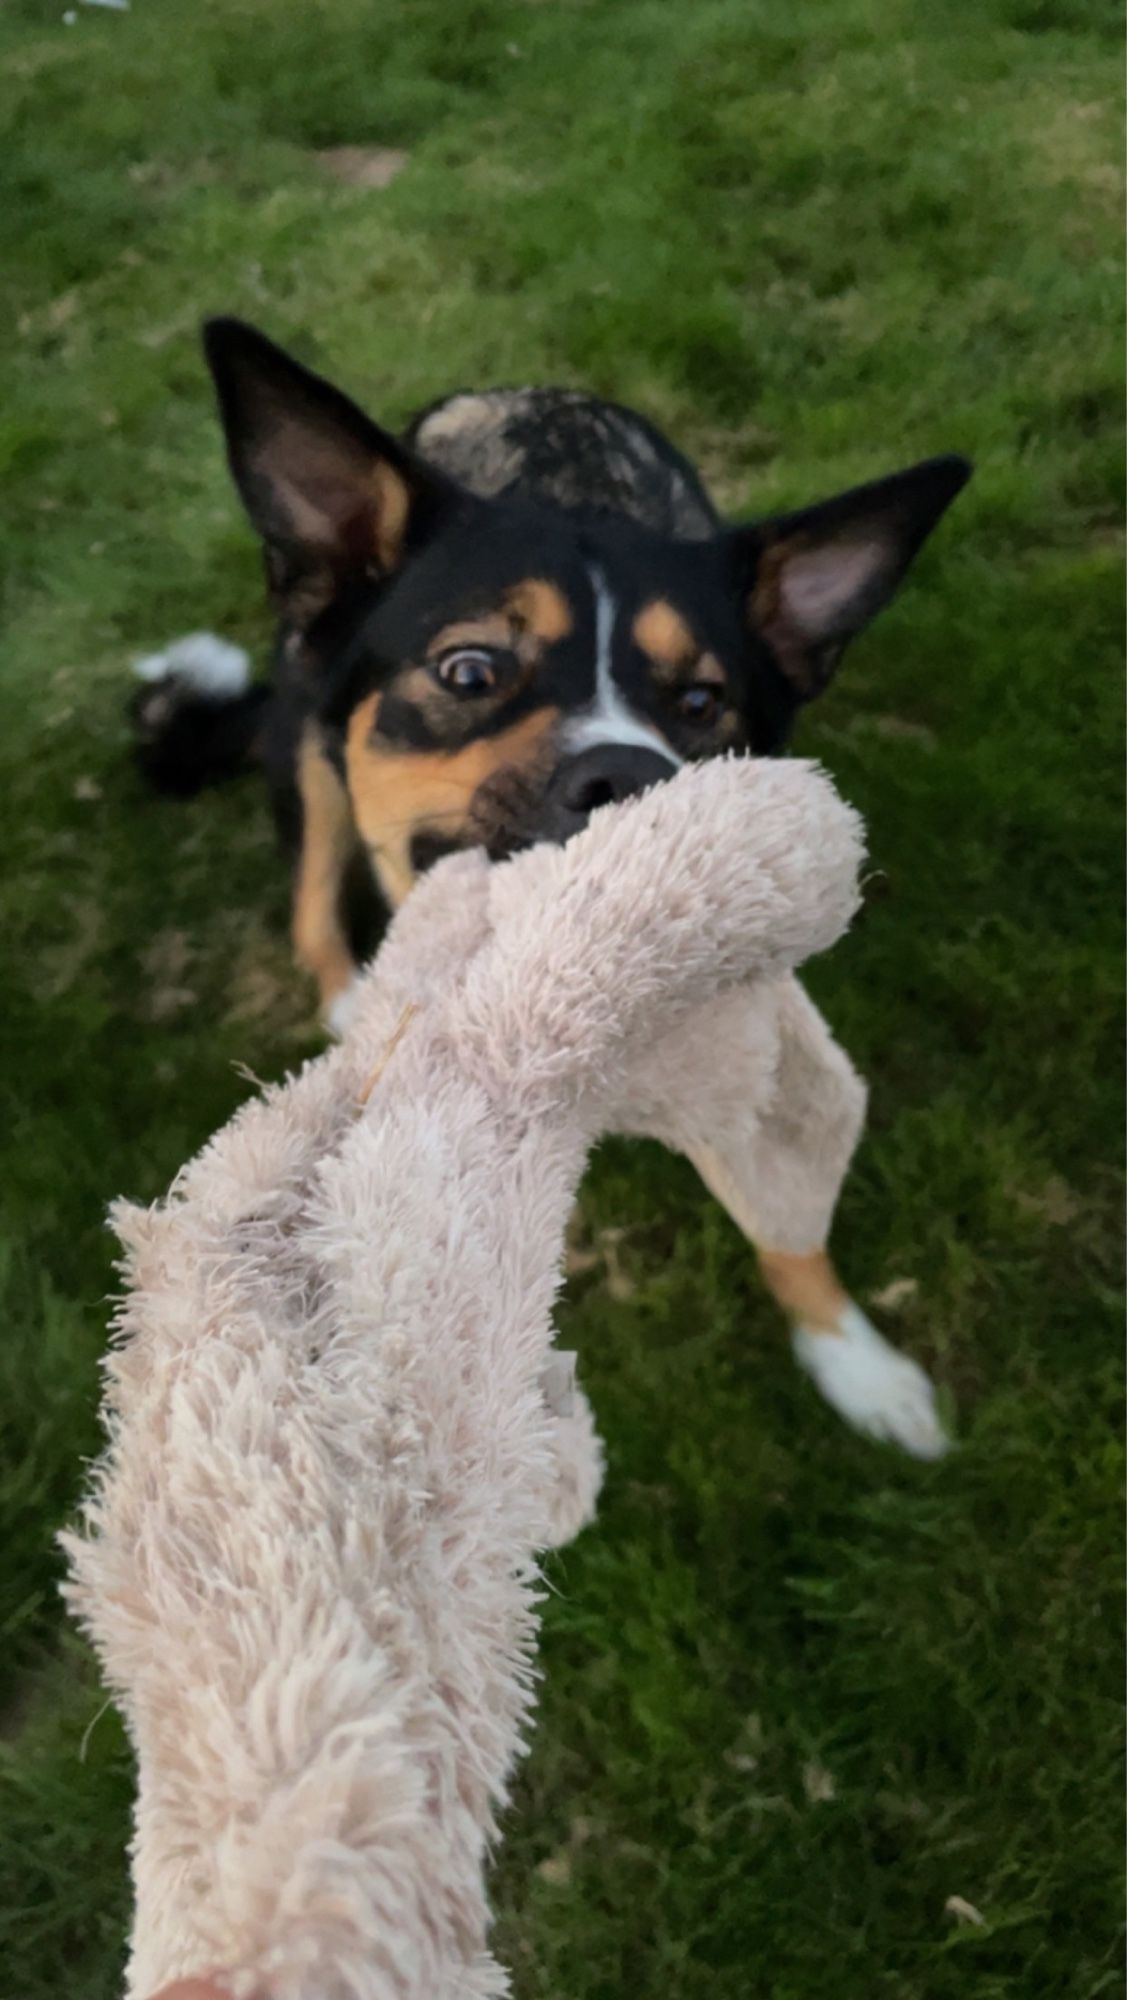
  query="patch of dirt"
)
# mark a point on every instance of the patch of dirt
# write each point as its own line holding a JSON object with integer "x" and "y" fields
{"x": 164, "y": 962}
{"x": 363, "y": 166}
{"x": 264, "y": 986}
{"x": 896, "y": 729}
{"x": 52, "y": 318}
{"x": 818, "y": 1784}
{"x": 257, "y": 992}
{"x": 745, "y": 1753}
{"x": 1054, "y": 1203}
{"x": 620, "y": 1285}
{"x": 1069, "y": 145}
{"x": 584, "y": 1255}
{"x": 728, "y": 458}
{"x": 156, "y": 337}
{"x": 893, "y": 1296}
{"x": 964, "y": 1912}
{"x": 63, "y": 963}
{"x": 555, "y": 1868}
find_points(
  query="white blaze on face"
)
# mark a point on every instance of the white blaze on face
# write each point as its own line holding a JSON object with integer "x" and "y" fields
{"x": 609, "y": 718}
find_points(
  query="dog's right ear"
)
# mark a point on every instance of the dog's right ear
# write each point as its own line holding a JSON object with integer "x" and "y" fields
{"x": 334, "y": 497}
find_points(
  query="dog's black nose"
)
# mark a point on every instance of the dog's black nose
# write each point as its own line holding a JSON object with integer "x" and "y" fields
{"x": 601, "y": 777}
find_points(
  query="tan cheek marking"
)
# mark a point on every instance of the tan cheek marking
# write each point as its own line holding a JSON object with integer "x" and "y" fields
{"x": 541, "y": 608}
{"x": 806, "y": 1287}
{"x": 398, "y": 794}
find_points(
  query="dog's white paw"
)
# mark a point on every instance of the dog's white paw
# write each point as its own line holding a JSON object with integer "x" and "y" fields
{"x": 341, "y": 1011}
{"x": 878, "y": 1390}
{"x": 201, "y": 661}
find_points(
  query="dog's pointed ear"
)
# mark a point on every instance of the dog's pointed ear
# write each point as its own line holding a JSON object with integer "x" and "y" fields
{"x": 812, "y": 580}
{"x": 334, "y": 497}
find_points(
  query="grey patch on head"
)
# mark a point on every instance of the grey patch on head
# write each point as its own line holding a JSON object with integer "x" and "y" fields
{"x": 574, "y": 450}
{"x": 466, "y": 436}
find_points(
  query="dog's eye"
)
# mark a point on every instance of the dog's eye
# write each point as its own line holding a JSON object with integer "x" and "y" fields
{"x": 467, "y": 670}
{"x": 699, "y": 704}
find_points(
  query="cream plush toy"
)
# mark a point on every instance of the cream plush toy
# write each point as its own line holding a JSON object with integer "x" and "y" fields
{"x": 339, "y": 1432}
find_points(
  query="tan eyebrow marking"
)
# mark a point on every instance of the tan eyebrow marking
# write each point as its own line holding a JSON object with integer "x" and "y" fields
{"x": 532, "y": 614}
{"x": 707, "y": 672}
{"x": 491, "y": 629}
{"x": 665, "y": 637}
{"x": 661, "y": 632}
{"x": 541, "y": 608}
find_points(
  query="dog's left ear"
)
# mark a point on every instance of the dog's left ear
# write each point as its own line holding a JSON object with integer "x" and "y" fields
{"x": 813, "y": 579}
{"x": 334, "y": 498}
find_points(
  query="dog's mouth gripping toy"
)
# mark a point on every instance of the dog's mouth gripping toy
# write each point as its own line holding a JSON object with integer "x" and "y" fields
{"x": 337, "y": 1438}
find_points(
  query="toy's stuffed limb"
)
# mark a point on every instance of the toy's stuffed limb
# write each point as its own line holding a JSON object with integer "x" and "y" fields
{"x": 778, "y": 1175}
{"x": 194, "y": 1989}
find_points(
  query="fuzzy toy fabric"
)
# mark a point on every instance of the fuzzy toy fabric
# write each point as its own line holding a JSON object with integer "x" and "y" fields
{"x": 309, "y": 1557}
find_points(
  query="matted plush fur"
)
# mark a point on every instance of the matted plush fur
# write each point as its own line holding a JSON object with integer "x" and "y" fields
{"x": 309, "y": 1555}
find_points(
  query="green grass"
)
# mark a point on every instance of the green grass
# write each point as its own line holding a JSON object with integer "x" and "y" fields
{"x": 798, "y": 1691}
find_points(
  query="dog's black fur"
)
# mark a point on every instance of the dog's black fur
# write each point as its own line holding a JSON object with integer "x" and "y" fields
{"x": 524, "y": 607}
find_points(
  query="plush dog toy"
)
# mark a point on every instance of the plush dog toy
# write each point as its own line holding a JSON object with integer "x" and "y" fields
{"x": 339, "y": 1432}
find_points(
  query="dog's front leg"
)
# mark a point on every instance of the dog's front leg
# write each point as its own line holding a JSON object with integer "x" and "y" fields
{"x": 327, "y": 842}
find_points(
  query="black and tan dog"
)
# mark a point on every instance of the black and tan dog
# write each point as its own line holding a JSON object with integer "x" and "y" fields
{"x": 523, "y": 608}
